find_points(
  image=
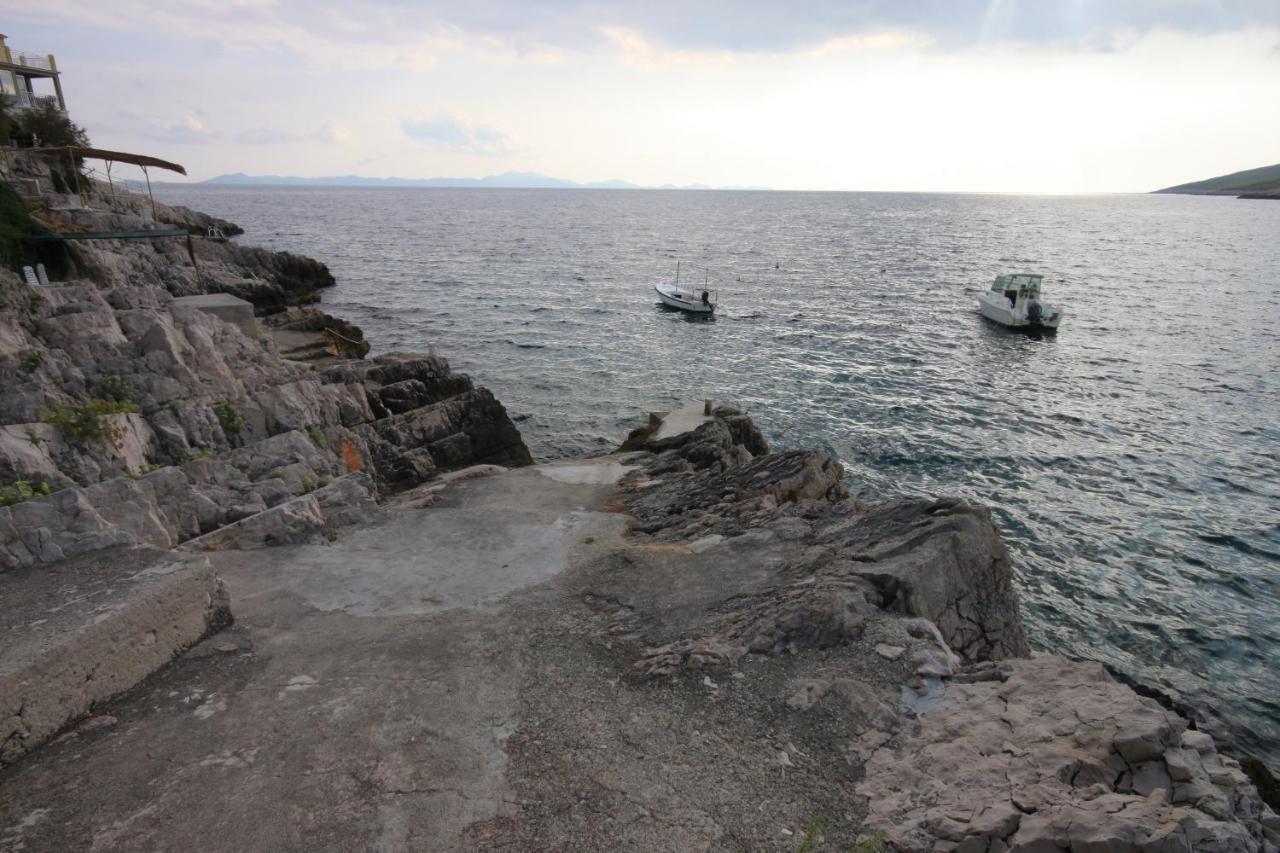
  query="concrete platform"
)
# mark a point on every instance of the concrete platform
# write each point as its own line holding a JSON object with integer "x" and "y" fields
{"x": 687, "y": 418}
{"x": 361, "y": 701}
{"x": 232, "y": 309}
{"x": 75, "y": 634}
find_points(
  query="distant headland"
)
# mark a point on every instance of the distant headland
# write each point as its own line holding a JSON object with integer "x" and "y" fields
{"x": 1263, "y": 182}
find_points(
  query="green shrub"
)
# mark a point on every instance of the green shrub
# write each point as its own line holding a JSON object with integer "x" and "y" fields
{"x": 87, "y": 421}
{"x": 874, "y": 844}
{"x": 118, "y": 389}
{"x": 8, "y": 117}
{"x": 308, "y": 485}
{"x": 318, "y": 438}
{"x": 231, "y": 421}
{"x": 52, "y": 127}
{"x": 817, "y": 826}
{"x": 31, "y": 361}
{"x": 16, "y": 229}
{"x": 21, "y": 490}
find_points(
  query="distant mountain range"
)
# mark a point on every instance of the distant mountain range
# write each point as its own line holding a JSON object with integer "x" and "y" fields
{"x": 1251, "y": 183}
{"x": 507, "y": 180}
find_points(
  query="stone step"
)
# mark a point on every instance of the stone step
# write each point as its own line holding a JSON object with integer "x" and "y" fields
{"x": 74, "y": 634}
{"x": 346, "y": 501}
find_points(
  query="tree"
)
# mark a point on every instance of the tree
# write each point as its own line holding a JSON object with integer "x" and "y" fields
{"x": 52, "y": 128}
{"x": 6, "y": 117}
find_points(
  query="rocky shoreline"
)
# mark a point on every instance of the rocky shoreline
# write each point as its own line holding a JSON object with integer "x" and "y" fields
{"x": 694, "y": 643}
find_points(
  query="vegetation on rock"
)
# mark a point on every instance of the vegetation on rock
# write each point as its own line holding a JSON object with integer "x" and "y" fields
{"x": 22, "y": 490}
{"x": 17, "y": 230}
{"x": 87, "y": 421}
{"x": 30, "y": 361}
{"x": 50, "y": 127}
{"x": 231, "y": 421}
{"x": 7, "y": 118}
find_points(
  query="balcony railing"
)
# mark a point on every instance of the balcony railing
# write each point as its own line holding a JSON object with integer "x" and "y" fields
{"x": 31, "y": 60}
{"x": 24, "y": 100}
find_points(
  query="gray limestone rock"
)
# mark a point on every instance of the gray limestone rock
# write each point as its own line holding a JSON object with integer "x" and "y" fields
{"x": 1008, "y": 761}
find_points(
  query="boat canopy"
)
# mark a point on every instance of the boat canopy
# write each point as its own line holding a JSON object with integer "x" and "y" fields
{"x": 1025, "y": 283}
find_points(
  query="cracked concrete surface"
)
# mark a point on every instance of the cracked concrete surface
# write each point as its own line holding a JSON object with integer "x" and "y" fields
{"x": 362, "y": 701}
{"x": 499, "y": 663}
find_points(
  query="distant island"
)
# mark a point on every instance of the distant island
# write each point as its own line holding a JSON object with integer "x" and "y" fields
{"x": 1251, "y": 183}
{"x": 506, "y": 180}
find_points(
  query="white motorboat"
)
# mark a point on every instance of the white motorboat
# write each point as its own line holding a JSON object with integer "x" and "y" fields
{"x": 1014, "y": 301}
{"x": 697, "y": 300}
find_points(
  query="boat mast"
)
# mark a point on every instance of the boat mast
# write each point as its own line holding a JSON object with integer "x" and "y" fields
{"x": 677, "y": 272}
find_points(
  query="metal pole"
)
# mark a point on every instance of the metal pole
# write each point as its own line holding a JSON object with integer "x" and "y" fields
{"x": 112, "y": 185}
{"x": 149, "y": 195}
{"x": 191, "y": 250}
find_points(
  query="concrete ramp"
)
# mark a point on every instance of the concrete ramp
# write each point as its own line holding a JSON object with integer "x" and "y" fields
{"x": 687, "y": 418}
{"x": 79, "y": 632}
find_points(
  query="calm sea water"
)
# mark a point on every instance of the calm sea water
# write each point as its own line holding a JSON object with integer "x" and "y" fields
{"x": 1133, "y": 461}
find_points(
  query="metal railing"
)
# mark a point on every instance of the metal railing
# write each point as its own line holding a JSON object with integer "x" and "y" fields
{"x": 31, "y": 60}
{"x": 24, "y": 100}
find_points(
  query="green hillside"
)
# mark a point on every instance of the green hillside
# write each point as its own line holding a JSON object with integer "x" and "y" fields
{"x": 1265, "y": 181}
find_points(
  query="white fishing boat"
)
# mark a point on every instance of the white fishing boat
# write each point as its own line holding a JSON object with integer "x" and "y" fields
{"x": 696, "y": 300}
{"x": 1014, "y": 301}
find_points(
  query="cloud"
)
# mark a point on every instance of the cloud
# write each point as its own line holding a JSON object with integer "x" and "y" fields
{"x": 413, "y": 35}
{"x": 337, "y": 133}
{"x": 460, "y": 134}
{"x": 189, "y": 130}
{"x": 332, "y": 133}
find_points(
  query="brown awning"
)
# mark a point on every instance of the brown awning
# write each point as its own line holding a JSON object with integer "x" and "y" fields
{"x": 114, "y": 156}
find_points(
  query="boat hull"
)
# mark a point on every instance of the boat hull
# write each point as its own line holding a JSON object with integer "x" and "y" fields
{"x": 684, "y": 300}
{"x": 993, "y": 310}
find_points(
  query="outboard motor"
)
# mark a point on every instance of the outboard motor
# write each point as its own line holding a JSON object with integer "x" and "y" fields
{"x": 1035, "y": 314}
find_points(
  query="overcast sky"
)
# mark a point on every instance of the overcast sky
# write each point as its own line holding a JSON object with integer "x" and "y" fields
{"x": 950, "y": 95}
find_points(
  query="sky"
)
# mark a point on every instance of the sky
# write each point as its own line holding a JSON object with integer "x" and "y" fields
{"x": 1039, "y": 96}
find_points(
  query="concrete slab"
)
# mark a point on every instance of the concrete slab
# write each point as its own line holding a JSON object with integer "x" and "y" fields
{"x": 362, "y": 701}
{"x": 238, "y": 312}
{"x": 598, "y": 472}
{"x": 77, "y": 633}
{"x": 687, "y": 418}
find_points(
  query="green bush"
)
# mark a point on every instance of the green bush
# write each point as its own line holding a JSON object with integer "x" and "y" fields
{"x": 16, "y": 246}
{"x": 52, "y": 128}
{"x": 118, "y": 389}
{"x": 7, "y": 117}
{"x": 814, "y": 832}
{"x": 318, "y": 438}
{"x": 874, "y": 844}
{"x": 21, "y": 490}
{"x": 30, "y": 361}
{"x": 87, "y": 421}
{"x": 231, "y": 421}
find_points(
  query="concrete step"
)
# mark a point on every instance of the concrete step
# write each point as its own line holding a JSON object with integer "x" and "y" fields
{"x": 80, "y": 631}
{"x": 306, "y": 518}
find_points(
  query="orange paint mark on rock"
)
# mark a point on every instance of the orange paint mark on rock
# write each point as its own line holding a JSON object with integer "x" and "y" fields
{"x": 351, "y": 456}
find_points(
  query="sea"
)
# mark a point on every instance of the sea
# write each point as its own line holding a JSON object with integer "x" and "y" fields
{"x": 1132, "y": 460}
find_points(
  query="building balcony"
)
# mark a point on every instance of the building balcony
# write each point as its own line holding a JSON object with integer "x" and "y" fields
{"x": 37, "y": 61}
{"x": 27, "y": 101}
